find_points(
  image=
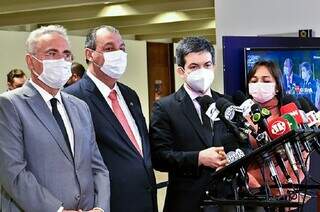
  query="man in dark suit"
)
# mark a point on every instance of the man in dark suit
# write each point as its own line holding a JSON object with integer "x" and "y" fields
{"x": 183, "y": 141}
{"x": 49, "y": 159}
{"x": 120, "y": 126}
{"x": 309, "y": 85}
{"x": 291, "y": 81}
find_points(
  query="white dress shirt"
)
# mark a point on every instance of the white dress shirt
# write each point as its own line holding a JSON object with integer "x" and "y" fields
{"x": 193, "y": 95}
{"x": 105, "y": 91}
{"x": 46, "y": 97}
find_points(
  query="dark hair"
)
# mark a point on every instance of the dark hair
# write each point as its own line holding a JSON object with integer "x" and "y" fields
{"x": 77, "y": 69}
{"x": 307, "y": 66}
{"x": 274, "y": 71}
{"x": 92, "y": 36}
{"x": 192, "y": 44}
{"x": 15, "y": 73}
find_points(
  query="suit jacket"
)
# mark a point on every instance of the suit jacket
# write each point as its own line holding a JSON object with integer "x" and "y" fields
{"x": 132, "y": 177}
{"x": 296, "y": 80}
{"x": 177, "y": 136}
{"x": 38, "y": 172}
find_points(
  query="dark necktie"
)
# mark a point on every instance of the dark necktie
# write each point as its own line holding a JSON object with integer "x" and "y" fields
{"x": 205, "y": 119}
{"x": 59, "y": 120}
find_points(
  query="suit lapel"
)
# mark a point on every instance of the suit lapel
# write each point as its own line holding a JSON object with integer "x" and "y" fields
{"x": 102, "y": 105}
{"x": 74, "y": 118}
{"x": 41, "y": 110}
{"x": 192, "y": 115}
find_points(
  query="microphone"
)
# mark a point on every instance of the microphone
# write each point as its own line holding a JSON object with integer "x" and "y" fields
{"x": 314, "y": 108}
{"x": 293, "y": 108}
{"x": 279, "y": 127}
{"x": 227, "y": 114}
{"x": 313, "y": 119}
{"x": 234, "y": 153}
{"x": 310, "y": 112}
{"x": 259, "y": 117}
{"x": 207, "y": 104}
{"x": 245, "y": 103}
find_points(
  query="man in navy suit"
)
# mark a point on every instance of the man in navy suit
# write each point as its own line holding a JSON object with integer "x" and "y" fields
{"x": 290, "y": 80}
{"x": 120, "y": 127}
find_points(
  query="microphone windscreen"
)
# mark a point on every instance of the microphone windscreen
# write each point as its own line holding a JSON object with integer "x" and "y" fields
{"x": 205, "y": 101}
{"x": 305, "y": 106}
{"x": 255, "y": 108}
{"x": 229, "y": 142}
{"x": 222, "y": 104}
{"x": 311, "y": 104}
{"x": 287, "y": 99}
{"x": 239, "y": 97}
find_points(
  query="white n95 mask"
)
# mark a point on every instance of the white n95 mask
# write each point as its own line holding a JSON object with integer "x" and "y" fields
{"x": 55, "y": 73}
{"x": 262, "y": 92}
{"x": 200, "y": 80}
{"x": 115, "y": 63}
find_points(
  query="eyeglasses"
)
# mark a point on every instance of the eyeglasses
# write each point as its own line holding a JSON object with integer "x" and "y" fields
{"x": 53, "y": 55}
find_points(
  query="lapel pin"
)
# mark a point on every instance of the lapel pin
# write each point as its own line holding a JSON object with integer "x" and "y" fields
{"x": 131, "y": 104}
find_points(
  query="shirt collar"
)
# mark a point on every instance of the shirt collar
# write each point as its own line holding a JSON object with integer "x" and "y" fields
{"x": 103, "y": 88}
{"x": 193, "y": 94}
{"x": 44, "y": 94}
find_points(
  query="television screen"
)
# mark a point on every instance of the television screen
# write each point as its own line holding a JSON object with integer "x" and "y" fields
{"x": 300, "y": 68}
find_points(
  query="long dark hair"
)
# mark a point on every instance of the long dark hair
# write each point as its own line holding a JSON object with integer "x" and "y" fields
{"x": 274, "y": 71}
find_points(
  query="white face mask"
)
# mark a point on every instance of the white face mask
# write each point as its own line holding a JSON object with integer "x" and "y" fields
{"x": 200, "y": 80}
{"x": 115, "y": 63}
{"x": 262, "y": 92}
{"x": 55, "y": 73}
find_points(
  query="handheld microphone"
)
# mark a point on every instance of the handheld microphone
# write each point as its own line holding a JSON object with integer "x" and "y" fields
{"x": 296, "y": 147}
{"x": 207, "y": 104}
{"x": 312, "y": 106}
{"x": 277, "y": 128}
{"x": 245, "y": 103}
{"x": 310, "y": 112}
{"x": 292, "y": 109}
{"x": 228, "y": 113}
{"x": 259, "y": 117}
{"x": 234, "y": 153}
{"x": 313, "y": 119}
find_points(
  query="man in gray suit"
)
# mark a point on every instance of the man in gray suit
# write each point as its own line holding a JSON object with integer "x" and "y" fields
{"x": 49, "y": 160}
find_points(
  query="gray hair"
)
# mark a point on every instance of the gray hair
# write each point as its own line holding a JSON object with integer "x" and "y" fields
{"x": 92, "y": 35}
{"x": 34, "y": 36}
